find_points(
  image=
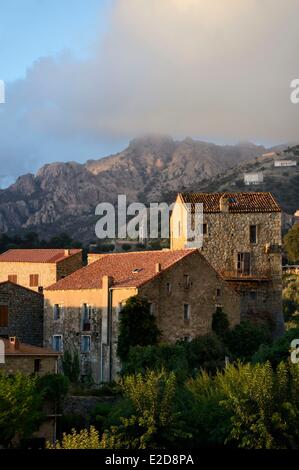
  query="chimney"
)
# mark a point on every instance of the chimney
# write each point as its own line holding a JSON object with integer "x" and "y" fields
{"x": 14, "y": 341}
{"x": 224, "y": 203}
{"x": 158, "y": 267}
{"x": 67, "y": 252}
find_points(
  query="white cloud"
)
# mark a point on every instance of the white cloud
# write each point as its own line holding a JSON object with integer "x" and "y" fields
{"x": 209, "y": 68}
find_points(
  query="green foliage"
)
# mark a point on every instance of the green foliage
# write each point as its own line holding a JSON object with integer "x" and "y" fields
{"x": 71, "y": 366}
{"x": 20, "y": 407}
{"x": 291, "y": 243}
{"x": 85, "y": 439}
{"x": 278, "y": 351}
{"x": 247, "y": 406}
{"x": 126, "y": 247}
{"x": 245, "y": 339}
{"x": 155, "y": 421}
{"x": 53, "y": 387}
{"x": 220, "y": 323}
{"x": 171, "y": 357}
{"x": 206, "y": 352}
{"x": 137, "y": 326}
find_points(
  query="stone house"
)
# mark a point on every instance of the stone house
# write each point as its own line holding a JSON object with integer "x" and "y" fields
{"x": 240, "y": 236}
{"x": 27, "y": 359}
{"x": 21, "y": 313}
{"x": 81, "y": 311}
{"x": 38, "y": 268}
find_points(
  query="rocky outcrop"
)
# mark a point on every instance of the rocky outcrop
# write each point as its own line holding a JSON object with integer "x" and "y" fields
{"x": 63, "y": 196}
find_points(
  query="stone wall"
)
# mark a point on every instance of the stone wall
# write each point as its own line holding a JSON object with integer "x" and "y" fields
{"x": 69, "y": 265}
{"x": 25, "y": 364}
{"x": 46, "y": 273}
{"x": 25, "y": 313}
{"x": 229, "y": 234}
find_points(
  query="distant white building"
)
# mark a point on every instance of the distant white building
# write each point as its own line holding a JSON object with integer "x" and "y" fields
{"x": 253, "y": 178}
{"x": 280, "y": 163}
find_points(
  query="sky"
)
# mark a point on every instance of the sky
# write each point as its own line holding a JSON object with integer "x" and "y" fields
{"x": 83, "y": 77}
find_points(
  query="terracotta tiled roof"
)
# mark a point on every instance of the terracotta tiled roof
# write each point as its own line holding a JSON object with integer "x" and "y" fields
{"x": 126, "y": 269}
{"x": 27, "y": 350}
{"x": 51, "y": 255}
{"x": 238, "y": 202}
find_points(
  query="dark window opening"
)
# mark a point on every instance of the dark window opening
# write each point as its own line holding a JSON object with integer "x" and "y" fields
{"x": 3, "y": 316}
{"x": 37, "y": 364}
{"x": 253, "y": 233}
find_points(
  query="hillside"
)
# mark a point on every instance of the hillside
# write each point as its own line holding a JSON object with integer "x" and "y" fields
{"x": 282, "y": 181}
{"x": 63, "y": 196}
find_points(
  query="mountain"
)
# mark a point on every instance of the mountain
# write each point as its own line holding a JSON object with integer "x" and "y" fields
{"x": 63, "y": 196}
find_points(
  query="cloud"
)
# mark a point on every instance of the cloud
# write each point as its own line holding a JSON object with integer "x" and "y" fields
{"x": 212, "y": 69}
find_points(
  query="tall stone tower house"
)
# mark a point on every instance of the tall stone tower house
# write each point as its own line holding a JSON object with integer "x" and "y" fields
{"x": 241, "y": 238}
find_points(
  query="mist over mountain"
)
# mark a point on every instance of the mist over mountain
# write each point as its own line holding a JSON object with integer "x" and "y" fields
{"x": 63, "y": 196}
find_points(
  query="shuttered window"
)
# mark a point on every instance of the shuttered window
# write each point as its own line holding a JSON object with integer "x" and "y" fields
{"x": 33, "y": 280}
{"x": 13, "y": 278}
{"x": 3, "y": 315}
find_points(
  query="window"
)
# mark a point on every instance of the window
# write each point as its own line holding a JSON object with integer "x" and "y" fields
{"x": 85, "y": 344}
{"x": 218, "y": 292}
{"x": 186, "y": 281}
{"x": 204, "y": 229}
{"x": 57, "y": 311}
{"x": 186, "y": 312}
{"x": 253, "y": 233}
{"x": 179, "y": 228}
{"x": 168, "y": 287}
{"x": 57, "y": 343}
{"x": 37, "y": 364}
{"x": 13, "y": 278}
{"x": 3, "y": 316}
{"x": 152, "y": 308}
{"x": 253, "y": 295}
{"x": 243, "y": 263}
{"x": 86, "y": 317}
{"x": 33, "y": 280}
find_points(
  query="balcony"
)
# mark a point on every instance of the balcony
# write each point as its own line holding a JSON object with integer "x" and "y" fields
{"x": 259, "y": 276}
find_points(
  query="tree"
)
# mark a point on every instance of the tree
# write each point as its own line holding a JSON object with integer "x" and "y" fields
{"x": 71, "y": 366}
{"x": 20, "y": 407}
{"x": 137, "y": 326}
{"x": 155, "y": 421}
{"x": 206, "y": 352}
{"x": 291, "y": 243}
{"x": 220, "y": 323}
{"x": 85, "y": 439}
{"x": 246, "y": 406}
{"x": 245, "y": 339}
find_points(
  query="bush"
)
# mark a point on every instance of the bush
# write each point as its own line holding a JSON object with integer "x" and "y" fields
{"x": 220, "y": 323}
{"x": 137, "y": 326}
{"x": 245, "y": 339}
{"x": 85, "y": 439}
{"x": 71, "y": 366}
{"x": 166, "y": 356}
{"x": 247, "y": 406}
{"x": 278, "y": 351}
{"x": 206, "y": 352}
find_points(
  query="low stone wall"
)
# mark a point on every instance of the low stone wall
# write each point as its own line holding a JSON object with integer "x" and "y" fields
{"x": 83, "y": 406}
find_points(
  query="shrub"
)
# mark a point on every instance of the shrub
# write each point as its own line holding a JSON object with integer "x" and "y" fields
{"x": 220, "y": 323}
{"x": 137, "y": 326}
{"x": 245, "y": 339}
